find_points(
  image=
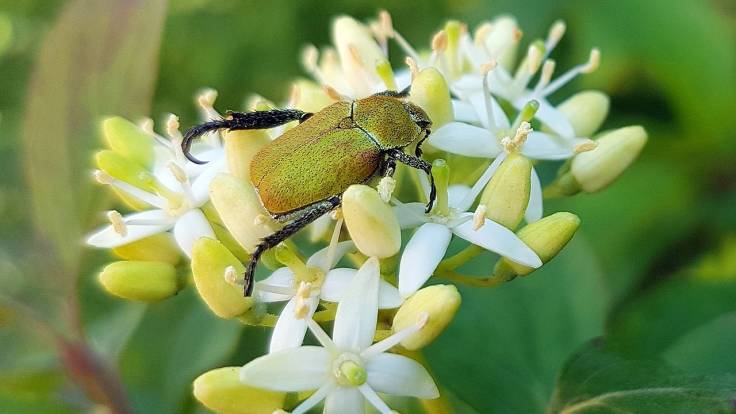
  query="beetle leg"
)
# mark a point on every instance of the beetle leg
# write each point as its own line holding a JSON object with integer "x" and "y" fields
{"x": 389, "y": 167}
{"x": 395, "y": 94}
{"x": 419, "y": 164}
{"x": 287, "y": 231}
{"x": 241, "y": 120}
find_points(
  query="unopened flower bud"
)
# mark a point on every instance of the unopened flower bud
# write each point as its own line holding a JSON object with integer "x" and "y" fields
{"x": 124, "y": 169}
{"x": 240, "y": 147}
{"x": 128, "y": 140}
{"x": 438, "y": 302}
{"x": 312, "y": 97}
{"x": 546, "y": 237}
{"x": 616, "y": 150}
{"x": 238, "y": 205}
{"x": 371, "y": 222}
{"x": 507, "y": 194}
{"x": 211, "y": 262}
{"x": 358, "y": 52}
{"x": 221, "y": 391}
{"x": 138, "y": 280}
{"x": 586, "y": 111}
{"x": 157, "y": 248}
{"x": 429, "y": 90}
{"x": 502, "y": 40}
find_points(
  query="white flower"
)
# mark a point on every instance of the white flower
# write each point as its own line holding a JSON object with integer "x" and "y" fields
{"x": 322, "y": 282}
{"x": 180, "y": 188}
{"x": 428, "y": 245}
{"x": 346, "y": 370}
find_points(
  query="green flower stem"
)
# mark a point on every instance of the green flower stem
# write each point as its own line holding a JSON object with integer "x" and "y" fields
{"x": 461, "y": 258}
{"x": 475, "y": 281}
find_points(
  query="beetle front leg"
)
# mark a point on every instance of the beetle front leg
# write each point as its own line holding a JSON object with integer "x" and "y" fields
{"x": 241, "y": 120}
{"x": 287, "y": 231}
{"x": 419, "y": 164}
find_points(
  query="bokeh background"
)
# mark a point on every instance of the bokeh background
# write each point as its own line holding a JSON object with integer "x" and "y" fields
{"x": 651, "y": 273}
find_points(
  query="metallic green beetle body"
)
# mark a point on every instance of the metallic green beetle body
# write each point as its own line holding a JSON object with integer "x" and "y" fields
{"x": 302, "y": 174}
{"x": 336, "y": 147}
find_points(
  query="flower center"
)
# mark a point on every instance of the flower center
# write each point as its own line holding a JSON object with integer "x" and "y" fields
{"x": 348, "y": 370}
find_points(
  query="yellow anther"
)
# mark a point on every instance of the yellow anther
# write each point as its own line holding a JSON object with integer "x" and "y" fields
{"x": 547, "y": 70}
{"x": 534, "y": 59}
{"x": 310, "y": 57}
{"x": 557, "y": 31}
{"x": 585, "y": 146}
{"x": 593, "y": 61}
{"x": 487, "y": 67}
{"x": 177, "y": 172}
{"x": 413, "y": 68}
{"x": 172, "y": 126}
{"x": 117, "y": 222}
{"x": 231, "y": 276}
{"x": 518, "y": 34}
{"x": 384, "y": 19}
{"x": 103, "y": 177}
{"x": 386, "y": 188}
{"x": 481, "y": 33}
{"x": 260, "y": 219}
{"x": 439, "y": 41}
{"x": 479, "y": 216}
{"x": 146, "y": 124}
{"x": 337, "y": 214}
{"x": 206, "y": 99}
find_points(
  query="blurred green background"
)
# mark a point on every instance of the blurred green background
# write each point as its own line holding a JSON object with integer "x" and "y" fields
{"x": 651, "y": 273}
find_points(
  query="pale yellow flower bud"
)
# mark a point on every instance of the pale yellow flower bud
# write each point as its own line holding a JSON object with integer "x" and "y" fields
{"x": 507, "y": 194}
{"x": 429, "y": 90}
{"x": 546, "y": 237}
{"x": 616, "y": 150}
{"x": 238, "y": 206}
{"x": 358, "y": 52}
{"x": 211, "y": 262}
{"x": 586, "y": 111}
{"x": 438, "y": 302}
{"x": 312, "y": 97}
{"x": 124, "y": 169}
{"x": 128, "y": 140}
{"x": 221, "y": 391}
{"x": 138, "y": 280}
{"x": 157, "y": 248}
{"x": 240, "y": 147}
{"x": 502, "y": 40}
{"x": 371, "y": 222}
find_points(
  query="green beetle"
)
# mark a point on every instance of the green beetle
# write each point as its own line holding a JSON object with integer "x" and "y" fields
{"x": 302, "y": 174}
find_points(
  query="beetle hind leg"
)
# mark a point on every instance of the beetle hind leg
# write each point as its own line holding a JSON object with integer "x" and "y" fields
{"x": 287, "y": 231}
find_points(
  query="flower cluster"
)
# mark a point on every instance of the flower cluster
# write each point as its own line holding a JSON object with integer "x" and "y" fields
{"x": 493, "y": 119}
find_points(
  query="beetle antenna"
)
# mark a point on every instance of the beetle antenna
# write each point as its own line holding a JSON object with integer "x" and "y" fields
{"x": 197, "y": 131}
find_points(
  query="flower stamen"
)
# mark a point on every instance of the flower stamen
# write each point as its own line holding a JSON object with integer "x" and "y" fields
{"x": 117, "y": 222}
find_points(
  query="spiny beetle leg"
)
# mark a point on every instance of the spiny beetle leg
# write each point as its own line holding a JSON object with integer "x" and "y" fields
{"x": 287, "y": 231}
{"x": 241, "y": 120}
{"x": 419, "y": 164}
{"x": 394, "y": 94}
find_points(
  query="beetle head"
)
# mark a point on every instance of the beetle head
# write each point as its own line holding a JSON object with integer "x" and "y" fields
{"x": 418, "y": 115}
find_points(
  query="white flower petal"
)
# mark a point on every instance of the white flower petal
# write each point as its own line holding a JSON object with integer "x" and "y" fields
{"x": 422, "y": 254}
{"x": 399, "y": 375}
{"x": 456, "y": 193}
{"x": 294, "y": 369}
{"x": 107, "y": 238}
{"x": 372, "y": 397}
{"x": 344, "y": 400}
{"x": 478, "y": 101}
{"x": 289, "y": 331}
{"x": 464, "y": 139}
{"x": 464, "y": 112}
{"x": 189, "y": 228}
{"x": 338, "y": 281}
{"x": 201, "y": 184}
{"x": 535, "y": 208}
{"x": 497, "y": 238}
{"x": 281, "y": 278}
{"x": 314, "y": 399}
{"x": 357, "y": 312}
{"x": 341, "y": 250}
{"x": 410, "y": 215}
{"x": 479, "y": 185}
{"x": 542, "y": 146}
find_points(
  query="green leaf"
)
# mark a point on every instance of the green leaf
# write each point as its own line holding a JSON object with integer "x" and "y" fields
{"x": 98, "y": 58}
{"x": 178, "y": 340}
{"x": 707, "y": 349}
{"x": 596, "y": 380}
{"x": 506, "y": 344}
